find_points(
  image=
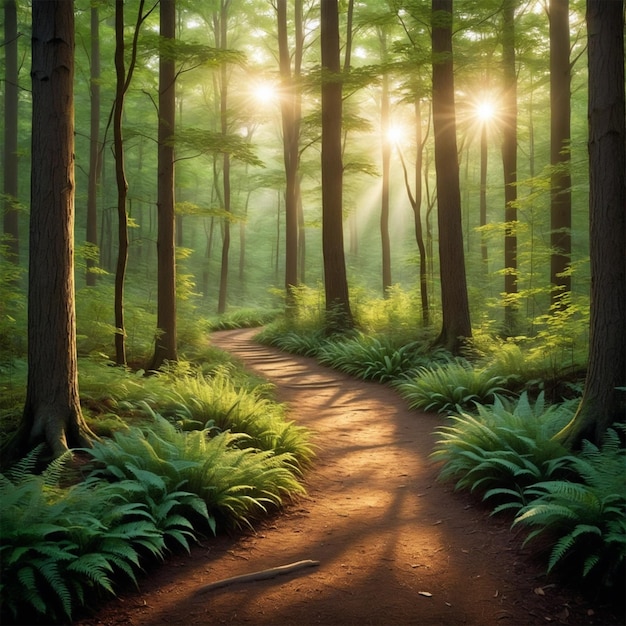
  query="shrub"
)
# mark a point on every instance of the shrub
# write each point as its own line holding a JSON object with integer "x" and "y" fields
{"x": 443, "y": 388}
{"x": 585, "y": 515}
{"x": 503, "y": 449}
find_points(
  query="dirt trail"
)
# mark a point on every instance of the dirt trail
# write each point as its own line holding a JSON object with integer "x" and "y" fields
{"x": 395, "y": 546}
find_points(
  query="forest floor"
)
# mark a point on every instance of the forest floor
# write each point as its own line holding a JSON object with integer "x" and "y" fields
{"x": 394, "y": 545}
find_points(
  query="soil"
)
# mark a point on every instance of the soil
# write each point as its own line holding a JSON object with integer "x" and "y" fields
{"x": 394, "y": 545}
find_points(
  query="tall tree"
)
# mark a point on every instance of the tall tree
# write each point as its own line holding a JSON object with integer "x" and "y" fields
{"x": 290, "y": 114}
{"x": 338, "y": 313}
{"x": 52, "y": 412}
{"x": 604, "y": 397}
{"x": 10, "y": 220}
{"x": 165, "y": 340}
{"x": 561, "y": 182}
{"x": 509, "y": 163}
{"x": 123, "y": 80}
{"x": 221, "y": 36}
{"x": 386, "y": 164}
{"x": 456, "y": 328}
{"x": 94, "y": 143}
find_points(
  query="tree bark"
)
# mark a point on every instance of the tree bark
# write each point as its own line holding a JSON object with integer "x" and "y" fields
{"x": 165, "y": 340}
{"x": 386, "y": 165}
{"x": 509, "y": 165}
{"x": 561, "y": 182}
{"x": 222, "y": 38}
{"x": 10, "y": 219}
{"x": 604, "y": 397}
{"x": 338, "y": 313}
{"x": 291, "y": 157}
{"x": 456, "y": 328}
{"x": 94, "y": 145}
{"x": 52, "y": 412}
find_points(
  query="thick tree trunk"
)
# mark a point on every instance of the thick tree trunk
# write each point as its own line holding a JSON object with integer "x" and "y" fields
{"x": 52, "y": 412}
{"x": 456, "y": 327}
{"x": 561, "y": 182}
{"x": 10, "y": 219}
{"x": 338, "y": 313}
{"x": 604, "y": 397}
{"x": 165, "y": 340}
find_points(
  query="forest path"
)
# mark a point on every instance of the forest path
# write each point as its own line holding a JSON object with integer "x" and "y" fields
{"x": 395, "y": 546}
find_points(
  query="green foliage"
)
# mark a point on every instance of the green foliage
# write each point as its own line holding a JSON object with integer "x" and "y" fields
{"x": 503, "y": 449}
{"x": 586, "y": 515}
{"x": 236, "y": 483}
{"x": 306, "y": 342}
{"x": 371, "y": 358}
{"x": 218, "y": 401}
{"x": 243, "y": 318}
{"x": 443, "y": 388}
{"x": 64, "y": 548}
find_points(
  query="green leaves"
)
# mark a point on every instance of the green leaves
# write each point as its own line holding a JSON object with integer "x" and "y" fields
{"x": 450, "y": 386}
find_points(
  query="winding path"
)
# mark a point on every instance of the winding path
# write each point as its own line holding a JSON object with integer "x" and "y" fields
{"x": 395, "y": 546}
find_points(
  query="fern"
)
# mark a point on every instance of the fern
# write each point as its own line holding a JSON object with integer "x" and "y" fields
{"x": 444, "y": 388}
{"x": 503, "y": 449}
{"x": 588, "y": 517}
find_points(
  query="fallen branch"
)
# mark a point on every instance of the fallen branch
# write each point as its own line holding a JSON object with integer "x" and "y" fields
{"x": 265, "y": 574}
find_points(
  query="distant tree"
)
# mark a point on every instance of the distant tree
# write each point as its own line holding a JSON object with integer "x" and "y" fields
{"x": 123, "y": 80}
{"x": 386, "y": 163}
{"x": 10, "y": 220}
{"x": 456, "y": 328}
{"x": 509, "y": 164}
{"x": 221, "y": 37}
{"x": 52, "y": 413}
{"x": 604, "y": 397}
{"x": 339, "y": 315}
{"x": 561, "y": 181}
{"x": 165, "y": 340}
{"x": 290, "y": 109}
{"x": 94, "y": 143}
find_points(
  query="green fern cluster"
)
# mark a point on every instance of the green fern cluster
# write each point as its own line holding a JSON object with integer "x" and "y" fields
{"x": 445, "y": 388}
{"x": 237, "y": 483}
{"x": 371, "y": 358}
{"x": 586, "y": 514}
{"x": 304, "y": 343}
{"x": 502, "y": 449}
{"x": 217, "y": 401}
{"x": 64, "y": 548}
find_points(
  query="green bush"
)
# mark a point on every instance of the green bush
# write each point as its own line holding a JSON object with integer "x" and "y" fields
{"x": 451, "y": 386}
{"x": 237, "y": 483}
{"x": 584, "y": 516}
{"x": 503, "y": 449}
{"x": 62, "y": 549}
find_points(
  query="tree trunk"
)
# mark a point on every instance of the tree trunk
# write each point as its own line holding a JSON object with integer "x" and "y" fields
{"x": 509, "y": 165}
{"x": 386, "y": 163}
{"x": 10, "y": 220}
{"x": 604, "y": 397}
{"x": 338, "y": 313}
{"x": 165, "y": 340}
{"x": 94, "y": 145}
{"x": 223, "y": 33}
{"x": 456, "y": 327}
{"x": 52, "y": 412}
{"x": 122, "y": 186}
{"x": 561, "y": 182}
{"x": 290, "y": 127}
{"x": 483, "y": 196}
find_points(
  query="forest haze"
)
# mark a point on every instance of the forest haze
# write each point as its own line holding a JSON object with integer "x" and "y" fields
{"x": 253, "y": 154}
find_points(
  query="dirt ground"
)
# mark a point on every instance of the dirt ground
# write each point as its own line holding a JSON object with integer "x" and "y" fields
{"x": 395, "y": 547}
